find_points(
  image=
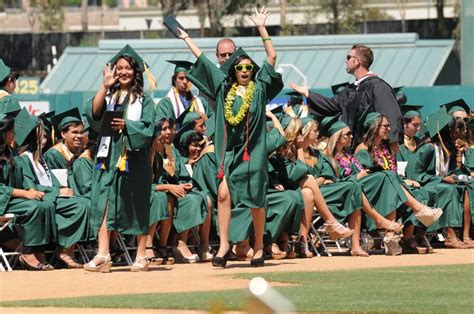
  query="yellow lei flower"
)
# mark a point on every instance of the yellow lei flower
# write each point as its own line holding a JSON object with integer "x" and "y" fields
{"x": 229, "y": 101}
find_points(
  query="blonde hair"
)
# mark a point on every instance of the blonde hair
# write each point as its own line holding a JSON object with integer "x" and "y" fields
{"x": 330, "y": 150}
{"x": 291, "y": 133}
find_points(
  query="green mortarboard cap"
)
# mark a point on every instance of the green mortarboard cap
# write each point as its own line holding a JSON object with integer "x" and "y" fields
{"x": 285, "y": 121}
{"x": 410, "y": 111}
{"x": 238, "y": 53}
{"x": 330, "y": 125}
{"x": 400, "y": 95}
{"x": 183, "y": 137}
{"x": 186, "y": 121}
{"x": 10, "y": 106}
{"x": 457, "y": 105}
{"x": 336, "y": 89}
{"x": 181, "y": 65}
{"x": 60, "y": 121}
{"x": 46, "y": 118}
{"x": 278, "y": 111}
{"x": 295, "y": 98}
{"x": 4, "y": 70}
{"x": 2, "y": 116}
{"x": 130, "y": 52}
{"x": 370, "y": 118}
{"x": 306, "y": 120}
{"x": 24, "y": 125}
{"x": 437, "y": 122}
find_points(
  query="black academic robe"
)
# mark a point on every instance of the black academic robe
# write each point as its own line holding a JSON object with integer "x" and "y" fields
{"x": 373, "y": 94}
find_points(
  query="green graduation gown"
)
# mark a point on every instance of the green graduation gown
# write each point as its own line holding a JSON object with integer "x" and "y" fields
{"x": 423, "y": 170}
{"x": 81, "y": 180}
{"x": 125, "y": 195}
{"x": 72, "y": 214}
{"x": 165, "y": 109}
{"x": 247, "y": 180}
{"x": 35, "y": 218}
{"x": 191, "y": 210}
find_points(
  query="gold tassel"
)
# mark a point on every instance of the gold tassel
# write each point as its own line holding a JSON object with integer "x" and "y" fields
{"x": 151, "y": 79}
{"x": 445, "y": 149}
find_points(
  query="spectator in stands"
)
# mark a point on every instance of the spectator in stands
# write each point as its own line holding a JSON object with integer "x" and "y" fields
{"x": 224, "y": 49}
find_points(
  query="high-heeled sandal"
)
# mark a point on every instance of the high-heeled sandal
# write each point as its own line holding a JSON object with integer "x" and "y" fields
{"x": 258, "y": 262}
{"x": 167, "y": 259}
{"x": 337, "y": 231}
{"x": 285, "y": 247}
{"x": 302, "y": 249}
{"x": 66, "y": 256}
{"x": 394, "y": 227}
{"x": 180, "y": 258}
{"x": 38, "y": 267}
{"x": 221, "y": 262}
{"x": 275, "y": 252}
{"x": 359, "y": 253}
{"x": 137, "y": 266}
{"x": 391, "y": 246}
{"x": 103, "y": 267}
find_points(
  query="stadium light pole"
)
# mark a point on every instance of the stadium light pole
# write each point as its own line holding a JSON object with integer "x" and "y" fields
{"x": 292, "y": 66}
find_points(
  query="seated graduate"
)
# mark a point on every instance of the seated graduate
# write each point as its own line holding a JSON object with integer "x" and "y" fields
{"x": 438, "y": 163}
{"x": 35, "y": 218}
{"x": 71, "y": 213}
{"x": 8, "y": 78}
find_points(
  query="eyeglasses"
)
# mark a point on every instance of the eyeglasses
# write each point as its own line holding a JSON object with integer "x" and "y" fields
{"x": 225, "y": 54}
{"x": 241, "y": 67}
{"x": 348, "y": 57}
{"x": 385, "y": 126}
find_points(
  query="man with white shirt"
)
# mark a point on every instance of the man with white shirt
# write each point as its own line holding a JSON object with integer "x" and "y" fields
{"x": 367, "y": 94}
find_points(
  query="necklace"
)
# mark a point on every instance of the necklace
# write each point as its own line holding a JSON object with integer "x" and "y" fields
{"x": 229, "y": 101}
{"x": 384, "y": 158}
{"x": 345, "y": 160}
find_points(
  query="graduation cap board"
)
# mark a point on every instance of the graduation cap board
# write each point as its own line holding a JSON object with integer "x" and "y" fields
{"x": 9, "y": 106}
{"x": 172, "y": 25}
{"x": 400, "y": 95}
{"x": 46, "y": 119}
{"x": 186, "y": 121}
{"x": 338, "y": 88}
{"x": 330, "y": 125}
{"x": 181, "y": 65}
{"x": 62, "y": 120}
{"x": 142, "y": 65}
{"x": 437, "y": 122}
{"x": 457, "y": 105}
{"x": 4, "y": 70}
{"x": 24, "y": 125}
{"x": 294, "y": 98}
{"x": 410, "y": 111}
{"x": 2, "y": 116}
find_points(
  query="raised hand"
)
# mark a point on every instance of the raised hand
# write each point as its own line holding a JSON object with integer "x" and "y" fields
{"x": 259, "y": 18}
{"x": 109, "y": 76}
{"x": 182, "y": 34}
{"x": 303, "y": 90}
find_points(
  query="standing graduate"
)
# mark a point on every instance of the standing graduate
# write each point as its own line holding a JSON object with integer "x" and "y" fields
{"x": 122, "y": 177}
{"x": 241, "y": 96}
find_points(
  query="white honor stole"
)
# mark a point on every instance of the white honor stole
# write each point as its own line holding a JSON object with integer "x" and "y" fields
{"x": 133, "y": 112}
{"x": 42, "y": 173}
{"x": 178, "y": 106}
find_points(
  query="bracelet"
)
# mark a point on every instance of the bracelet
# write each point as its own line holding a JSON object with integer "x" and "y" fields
{"x": 266, "y": 38}
{"x": 186, "y": 37}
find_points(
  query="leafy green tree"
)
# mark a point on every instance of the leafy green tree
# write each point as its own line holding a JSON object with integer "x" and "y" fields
{"x": 343, "y": 15}
{"x": 52, "y": 17}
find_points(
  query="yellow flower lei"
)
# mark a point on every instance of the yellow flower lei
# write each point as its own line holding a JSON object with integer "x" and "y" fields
{"x": 229, "y": 101}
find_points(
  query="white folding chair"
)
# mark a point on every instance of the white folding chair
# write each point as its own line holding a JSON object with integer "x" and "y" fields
{"x": 5, "y": 221}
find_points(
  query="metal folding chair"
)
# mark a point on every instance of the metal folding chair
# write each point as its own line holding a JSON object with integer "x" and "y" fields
{"x": 5, "y": 221}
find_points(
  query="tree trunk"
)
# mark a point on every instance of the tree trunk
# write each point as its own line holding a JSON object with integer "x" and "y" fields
{"x": 441, "y": 27}
{"x": 84, "y": 19}
{"x": 282, "y": 13}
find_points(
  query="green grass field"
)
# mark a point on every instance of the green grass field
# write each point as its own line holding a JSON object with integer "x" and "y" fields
{"x": 439, "y": 289}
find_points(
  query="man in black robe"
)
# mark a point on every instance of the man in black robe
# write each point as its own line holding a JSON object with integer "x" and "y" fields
{"x": 367, "y": 94}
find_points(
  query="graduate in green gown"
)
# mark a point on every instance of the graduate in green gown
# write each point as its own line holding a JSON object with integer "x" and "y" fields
{"x": 8, "y": 79}
{"x": 241, "y": 96}
{"x": 122, "y": 172}
{"x": 438, "y": 162}
{"x": 458, "y": 109}
{"x": 33, "y": 216}
{"x": 71, "y": 213}
{"x": 70, "y": 129}
{"x": 373, "y": 153}
{"x": 180, "y": 99}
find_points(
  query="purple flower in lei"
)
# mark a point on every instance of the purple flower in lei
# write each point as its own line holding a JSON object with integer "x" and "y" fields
{"x": 346, "y": 163}
{"x": 385, "y": 159}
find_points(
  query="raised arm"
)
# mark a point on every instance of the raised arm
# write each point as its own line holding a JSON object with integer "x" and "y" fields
{"x": 259, "y": 20}
{"x": 109, "y": 78}
{"x": 191, "y": 45}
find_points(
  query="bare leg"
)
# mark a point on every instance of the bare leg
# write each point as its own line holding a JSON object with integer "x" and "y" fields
{"x": 466, "y": 228}
{"x": 182, "y": 243}
{"x": 319, "y": 202}
{"x": 165, "y": 226}
{"x": 205, "y": 228}
{"x": 307, "y": 217}
{"x": 380, "y": 220}
{"x": 149, "y": 240}
{"x": 103, "y": 239}
{"x": 412, "y": 202}
{"x": 258, "y": 216}
{"x": 355, "y": 221}
{"x": 224, "y": 204}
{"x": 392, "y": 217}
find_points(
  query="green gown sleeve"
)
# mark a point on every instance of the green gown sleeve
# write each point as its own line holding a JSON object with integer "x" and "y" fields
{"x": 164, "y": 109}
{"x": 206, "y": 76}
{"x": 139, "y": 133}
{"x": 364, "y": 158}
{"x": 469, "y": 159}
{"x": 5, "y": 190}
{"x": 423, "y": 167}
{"x": 269, "y": 77}
{"x": 327, "y": 170}
{"x": 82, "y": 170}
{"x": 274, "y": 140}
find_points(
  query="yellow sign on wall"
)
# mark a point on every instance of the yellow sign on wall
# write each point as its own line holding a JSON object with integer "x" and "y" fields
{"x": 27, "y": 86}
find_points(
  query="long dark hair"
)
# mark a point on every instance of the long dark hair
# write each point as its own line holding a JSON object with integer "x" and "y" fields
{"x": 136, "y": 88}
{"x": 195, "y": 137}
{"x": 158, "y": 126}
{"x": 33, "y": 142}
{"x": 7, "y": 124}
{"x": 231, "y": 79}
{"x": 371, "y": 132}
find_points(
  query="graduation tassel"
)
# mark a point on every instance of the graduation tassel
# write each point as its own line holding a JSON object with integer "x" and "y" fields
{"x": 151, "y": 79}
{"x": 220, "y": 175}
{"x": 246, "y": 156}
{"x": 101, "y": 165}
{"x": 122, "y": 163}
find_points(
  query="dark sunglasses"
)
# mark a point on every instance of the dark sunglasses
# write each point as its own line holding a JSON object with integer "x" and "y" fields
{"x": 225, "y": 54}
{"x": 348, "y": 57}
{"x": 241, "y": 67}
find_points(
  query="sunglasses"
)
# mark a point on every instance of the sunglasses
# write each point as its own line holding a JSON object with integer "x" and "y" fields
{"x": 225, "y": 54}
{"x": 348, "y": 57}
{"x": 385, "y": 126}
{"x": 241, "y": 67}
